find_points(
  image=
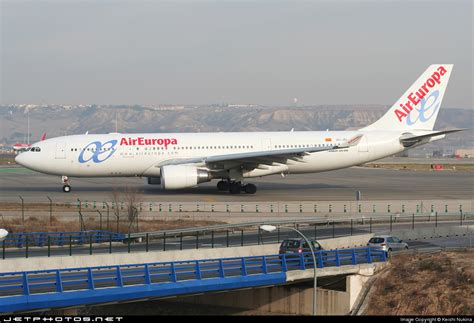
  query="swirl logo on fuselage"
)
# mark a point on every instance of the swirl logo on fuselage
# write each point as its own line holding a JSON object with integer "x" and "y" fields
{"x": 426, "y": 111}
{"x": 97, "y": 151}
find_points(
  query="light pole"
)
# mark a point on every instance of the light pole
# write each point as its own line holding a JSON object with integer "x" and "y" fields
{"x": 3, "y": 234}
{"x": 22, "y": 210}
{"x": 270, "y": 228}
{"x": 50, "y": 211}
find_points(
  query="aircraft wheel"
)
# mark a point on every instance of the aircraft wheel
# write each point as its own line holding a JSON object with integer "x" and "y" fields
{"x": 66, "y": 188}
{"x": 223, "y": 186}
{"x": 234, "y": 188}
{"x": 250, "y": 189}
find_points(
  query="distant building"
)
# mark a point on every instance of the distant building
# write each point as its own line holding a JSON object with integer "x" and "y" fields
{"x": 464, "y": 153}
{"x": 242, "y": 105}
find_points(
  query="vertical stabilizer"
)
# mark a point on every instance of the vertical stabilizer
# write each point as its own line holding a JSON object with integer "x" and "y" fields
{"x": 418, "y": 107}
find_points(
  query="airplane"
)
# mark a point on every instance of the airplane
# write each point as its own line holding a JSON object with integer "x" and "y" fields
{"x": 184, "y": 160}
{"x": 22, "y": 147}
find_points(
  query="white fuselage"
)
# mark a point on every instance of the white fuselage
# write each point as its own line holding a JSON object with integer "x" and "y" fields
{"x": 139, "y": 154}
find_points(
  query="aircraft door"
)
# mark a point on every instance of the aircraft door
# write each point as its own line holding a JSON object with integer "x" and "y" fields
{"x": 266, "y": 144}
{"x": 60, "y": 150}
{"x": 363, "y": 145}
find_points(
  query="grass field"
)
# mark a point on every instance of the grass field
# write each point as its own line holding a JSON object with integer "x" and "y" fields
{"x": 7, "y": 159}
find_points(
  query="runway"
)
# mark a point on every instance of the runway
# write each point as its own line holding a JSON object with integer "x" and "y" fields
{"x": 374, "y": 184}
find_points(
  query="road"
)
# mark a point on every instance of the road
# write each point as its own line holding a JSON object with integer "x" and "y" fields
{"x": 233, "y": 239}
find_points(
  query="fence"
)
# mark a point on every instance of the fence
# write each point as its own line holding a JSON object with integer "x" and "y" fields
{"x": 41, "y": 239}
{"x": 244, "y": 234}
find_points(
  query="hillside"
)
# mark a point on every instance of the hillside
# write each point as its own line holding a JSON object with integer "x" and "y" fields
{"x": 425, "y": 284}
{"x": 59, "y": 120}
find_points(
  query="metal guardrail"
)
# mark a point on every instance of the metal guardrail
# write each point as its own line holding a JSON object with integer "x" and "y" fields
{"x": 285, "y": 207}
{"x": 294, "y": 222}
{"x": 41, "y": 239}
{"x": 78, "y": 286}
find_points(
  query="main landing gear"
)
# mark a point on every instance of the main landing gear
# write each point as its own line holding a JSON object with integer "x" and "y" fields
{"x": 65, "y": 182}
{"x": 236, "y": 187}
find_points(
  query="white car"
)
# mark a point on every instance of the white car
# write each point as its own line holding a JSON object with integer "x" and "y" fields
{"x": 387, "y": 243}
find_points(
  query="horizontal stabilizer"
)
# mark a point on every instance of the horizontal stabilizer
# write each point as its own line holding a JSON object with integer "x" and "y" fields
{"x": 409, "y": 139}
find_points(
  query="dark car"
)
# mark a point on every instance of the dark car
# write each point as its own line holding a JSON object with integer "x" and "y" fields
{"x": 297, "y": 246}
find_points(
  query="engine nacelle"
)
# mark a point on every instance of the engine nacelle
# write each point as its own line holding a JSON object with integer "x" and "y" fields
{"x": 182, "y": 176}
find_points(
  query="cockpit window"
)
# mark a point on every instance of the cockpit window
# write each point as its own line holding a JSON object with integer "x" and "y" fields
{"x": 33, "y": 149}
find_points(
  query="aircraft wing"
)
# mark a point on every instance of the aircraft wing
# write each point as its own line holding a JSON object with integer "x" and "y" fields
{"x": 264, "y": 156}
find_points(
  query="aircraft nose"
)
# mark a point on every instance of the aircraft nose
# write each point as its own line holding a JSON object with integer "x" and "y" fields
{"x": 20, "y": 159}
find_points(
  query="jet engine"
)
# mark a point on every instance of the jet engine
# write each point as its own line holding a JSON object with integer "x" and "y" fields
{"x": 182, "y": 176}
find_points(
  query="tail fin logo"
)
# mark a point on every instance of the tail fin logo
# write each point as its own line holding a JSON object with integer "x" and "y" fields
{"x": 427, "y": 109}
{"x": 418, "y": 98}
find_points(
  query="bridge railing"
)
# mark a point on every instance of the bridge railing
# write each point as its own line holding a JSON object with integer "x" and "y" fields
{"x": 91, "y": 278}
{"x": 41, "y": 239}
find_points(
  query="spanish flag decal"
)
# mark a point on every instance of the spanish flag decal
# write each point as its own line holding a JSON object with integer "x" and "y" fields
{"x": 327, "y": 139}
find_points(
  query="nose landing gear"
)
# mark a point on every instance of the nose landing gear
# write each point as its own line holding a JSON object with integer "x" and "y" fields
{"x": 65, "y": 181}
